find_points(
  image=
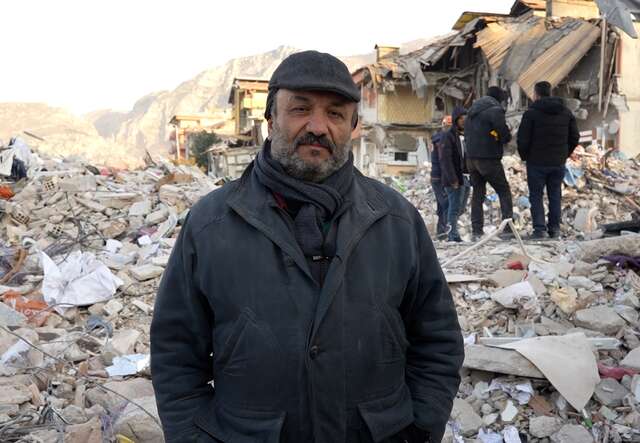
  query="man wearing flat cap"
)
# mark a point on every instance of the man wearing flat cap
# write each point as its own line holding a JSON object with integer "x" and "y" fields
{"x": 304, "y": 302}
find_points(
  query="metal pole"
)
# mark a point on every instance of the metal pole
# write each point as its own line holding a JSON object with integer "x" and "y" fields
{"x": 602, "y": 51}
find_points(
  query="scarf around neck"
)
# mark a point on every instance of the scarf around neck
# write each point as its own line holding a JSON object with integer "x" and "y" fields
{"x": 319, "y": 202}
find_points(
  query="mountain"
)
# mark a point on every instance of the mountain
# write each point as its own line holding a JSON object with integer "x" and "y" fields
{"x": 64, "y": 135}
{"x": 146, "y": 125}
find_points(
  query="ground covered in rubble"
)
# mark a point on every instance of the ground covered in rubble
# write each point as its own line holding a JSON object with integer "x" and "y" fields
{"x": 551, "y": 328}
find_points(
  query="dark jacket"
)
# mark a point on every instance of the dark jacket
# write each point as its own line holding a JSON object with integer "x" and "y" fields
{"x": 436, "y": 140}
{"x": 451, "y": 154}
{"x": 376, "y": 348}
{"x": 548, "y": 133}
{"x": 486, "y": 131}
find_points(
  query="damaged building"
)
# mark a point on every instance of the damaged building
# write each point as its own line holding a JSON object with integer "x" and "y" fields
{"x": 405, "y": 97}
{"x": 589, "y": 61}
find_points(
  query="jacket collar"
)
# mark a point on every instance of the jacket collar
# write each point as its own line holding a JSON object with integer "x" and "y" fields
{"x": 258, "y": 207}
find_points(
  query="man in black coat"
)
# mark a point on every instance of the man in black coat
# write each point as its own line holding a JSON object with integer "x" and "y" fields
{"x": 486, "y": 134}
{"x": 547, "y": 136}
{"x": 453, "y": 169}
{"x": 442, "y": 204}
{"x": 304, "y": 302}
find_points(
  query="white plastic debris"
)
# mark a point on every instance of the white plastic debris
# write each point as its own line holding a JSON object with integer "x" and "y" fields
{"x": 113, "y": 246}
{"x": 489, "y": 437}
{"x": 128, "y": 365}
{"x": 80, "y": 280}
{"x": 520, "y": 390}
{"x": 14, "y": 352}
{"x": 511, "y": 435}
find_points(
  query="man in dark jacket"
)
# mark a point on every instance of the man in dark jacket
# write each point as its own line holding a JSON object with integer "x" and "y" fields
{"x": 304, "y": 302}
{"x": 547, "y": 136}
{"x": 486, "y": 134}
{"x": 442, "y": 204}
{"x": 453, "y": 169}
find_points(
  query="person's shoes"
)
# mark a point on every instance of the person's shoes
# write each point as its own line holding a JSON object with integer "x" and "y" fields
{"x": 538, "y": 235}
{"x": 506, "y": 235}
{"x": 477, "y": 236}
{"x": 554, "y": 234}
{"x": 454, "y": 239}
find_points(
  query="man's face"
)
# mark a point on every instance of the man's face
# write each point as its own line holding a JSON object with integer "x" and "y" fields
{"x": 311, "y": 133}
{"x": 461, "y": 120}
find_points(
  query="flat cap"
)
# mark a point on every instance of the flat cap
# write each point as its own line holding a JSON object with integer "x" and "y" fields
{"x": 312, "y": 71}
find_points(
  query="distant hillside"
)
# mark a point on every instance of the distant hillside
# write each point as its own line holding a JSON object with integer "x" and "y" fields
{"x": 146, "y": 125}
{"x": 65, "y": 134}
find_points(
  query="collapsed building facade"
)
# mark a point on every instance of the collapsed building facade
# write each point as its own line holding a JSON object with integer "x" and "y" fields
{"x": 589, "y": 62}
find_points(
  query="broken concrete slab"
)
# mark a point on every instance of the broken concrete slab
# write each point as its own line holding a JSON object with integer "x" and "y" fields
{"x": 542, "y": 427}
{"x": 11, "y": 317}
{"x": 132, "y": 389}
{"x": 140, "y": 208}
{"x": 610, "y": 393}
{"x": 591, "y": 251}
{"x": 89, "y": 432}
{"x": 468, "y": 420}
{"x": 632, "y": 360}
{"x": 572, "y": 434}
{"x": 503, "y": 361}
{"x": 135, "y": 424}
{"x": 14, "y": 394}
{"x": 122, "y": 343}
{"x": 146, "y": 272}
{"x": 599, "y": 318}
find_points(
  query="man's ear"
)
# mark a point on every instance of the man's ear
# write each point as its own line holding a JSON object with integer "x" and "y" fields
{"x": 270, "y": 126}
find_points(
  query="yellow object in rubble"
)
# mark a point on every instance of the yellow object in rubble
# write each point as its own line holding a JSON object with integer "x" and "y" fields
{"x": 494, "y": 133}
{"x": 122, "y": 439}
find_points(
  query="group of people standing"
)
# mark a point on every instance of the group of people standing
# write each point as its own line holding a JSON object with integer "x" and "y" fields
{"x": 469, "y": 155}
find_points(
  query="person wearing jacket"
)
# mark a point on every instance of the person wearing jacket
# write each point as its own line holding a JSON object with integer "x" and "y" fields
{"x": 547, "y": 136}
{"x": 453, "y": 169}
{"x": 486, "y": 134}
{"x": 304, "y": 302}
{"x": 442, "y": 204}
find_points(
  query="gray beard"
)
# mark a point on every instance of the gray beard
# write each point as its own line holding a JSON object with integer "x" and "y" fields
{"x": 286, "y": 154}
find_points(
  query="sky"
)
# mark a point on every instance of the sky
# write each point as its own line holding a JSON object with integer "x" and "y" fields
{"x": 86, "y": 55}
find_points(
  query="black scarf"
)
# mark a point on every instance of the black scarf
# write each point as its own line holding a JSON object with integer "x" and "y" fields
{"x": 319, "y": 202}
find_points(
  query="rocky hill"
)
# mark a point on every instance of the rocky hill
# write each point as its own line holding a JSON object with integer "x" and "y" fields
{"x": 64, "y": 135}
{"x": 146, "y": 125}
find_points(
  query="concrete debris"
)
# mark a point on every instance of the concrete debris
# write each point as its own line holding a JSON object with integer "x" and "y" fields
{"x": 467, "y": 419}
{"x": 572, "y": 434}
{"x": 541, "y": 427}
{"x": 610, "y": 393}
{"x": 88, "y": 360}
{"x": 70, "y": 240}
{"x": 588, "y": 308}
{"x": 502, "y": 361}
{"x": 600, "y": 318}
{"x": 632, "y": 360}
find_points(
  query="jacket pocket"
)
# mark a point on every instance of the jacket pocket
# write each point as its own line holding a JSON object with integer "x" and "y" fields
{"x": 233, "y": 339}
{"x": 394, "y": 340}
{"x": 230, "y": 425}
{"x": 388, "y": 415}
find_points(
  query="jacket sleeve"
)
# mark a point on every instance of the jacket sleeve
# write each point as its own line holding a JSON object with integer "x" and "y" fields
{"x": 436, "y": 351}
{"x": 504, "y": 133}
{"x": 447, "y": 168}
{"x": 574, "y": 134}
{"x": 181, "y": 344}
{"x": 525, "y": 136}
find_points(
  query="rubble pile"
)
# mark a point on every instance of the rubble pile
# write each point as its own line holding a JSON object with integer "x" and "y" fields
{"x": 552, "y": 332}
{"x": 600, "y": 189}
{"x": 552, "y": 340}
{"x": 551, "y": 328}
{"x": 82, "y": 250}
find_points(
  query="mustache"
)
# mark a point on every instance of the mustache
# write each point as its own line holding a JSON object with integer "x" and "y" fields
{"x": 312, "y": 139}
